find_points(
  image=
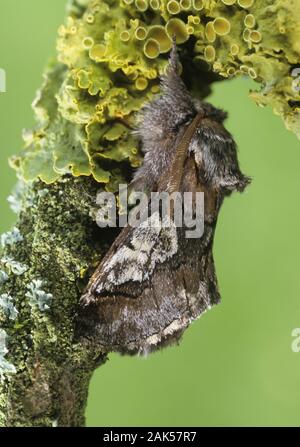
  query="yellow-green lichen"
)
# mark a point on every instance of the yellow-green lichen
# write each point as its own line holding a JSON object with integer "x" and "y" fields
{"x": 88, "y": 42}
{"x": 176, "y": 27}
{"x": 173, "y": 7}
{"x": 160, "y": 35}
{"x": 229, "y": 2}
{"x": 125, "y": 36}
{"x": 245, "y": 3}
{"x": 110, "y": 57}
{"x": 246, "y": 35}
{"x": 210, "y": 53}
{"x": 210, "y": 33}
{"x": 140, "y": 33}
{"x": 154, "y": 4}
{"x": 255, "y": 36}
{"x": 221, "y": 26}
{"x": 249, "y": 21}
{"x": 151, "y": 48}
{"x": 185, "y": 4}
{"x": 234, "y": 49}
{"x": 231, "y": 71}
{"x": 142, "y": 5}
{"x": 141, "y": 83}
{"x": 198, "y": 4}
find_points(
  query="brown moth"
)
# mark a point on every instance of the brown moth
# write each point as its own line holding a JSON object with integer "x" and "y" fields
{"x": 154, "y": 281}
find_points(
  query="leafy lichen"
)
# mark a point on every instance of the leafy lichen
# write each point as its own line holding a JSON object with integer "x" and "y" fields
{"x": 38, "y": 297}
{"x": 7, "y": 308}
{"x": 5, "y": 366}
{"x": 3, "y": 277}
{"x": 111, "y": 54}
{"x": 15, "y": 267}
{"x": 11, "y": 237}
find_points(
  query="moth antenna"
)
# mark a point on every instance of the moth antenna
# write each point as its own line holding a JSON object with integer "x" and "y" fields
{"x": 172, "y": 82}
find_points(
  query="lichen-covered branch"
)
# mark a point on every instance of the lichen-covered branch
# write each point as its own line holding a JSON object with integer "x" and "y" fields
{"x": 42, "y": 264}
{"x": 110, "y": 57}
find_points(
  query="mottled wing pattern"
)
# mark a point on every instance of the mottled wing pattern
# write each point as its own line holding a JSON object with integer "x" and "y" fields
{"x": 153, "y": 282}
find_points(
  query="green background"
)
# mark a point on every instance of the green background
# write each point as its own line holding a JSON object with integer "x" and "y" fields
{"x": 234, "y": 366}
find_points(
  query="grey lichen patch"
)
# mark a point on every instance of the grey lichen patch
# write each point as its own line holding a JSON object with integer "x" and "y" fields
{"x": 11, "y": 237}
{"x": 6, "y": 367}
{"x": 38, "y": 298}
{"x": 60, "y": 243}
{"x": 3, "y": 277}
{"x": 43, "y": 192}
{"x": 15, "y": 267}
{"x": 19, "y": 198}
{"x": 15, "y": 198}
{"x": 7, "y": 308}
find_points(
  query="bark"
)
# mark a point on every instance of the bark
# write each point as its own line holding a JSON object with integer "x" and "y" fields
{"x": 53, "y": 368}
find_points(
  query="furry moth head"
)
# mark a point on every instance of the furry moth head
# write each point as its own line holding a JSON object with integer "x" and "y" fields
{"x": 152, "y": 283}
{"x": 162, "y": 122}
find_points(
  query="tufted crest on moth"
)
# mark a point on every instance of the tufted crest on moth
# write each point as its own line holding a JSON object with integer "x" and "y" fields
{"x": 169, "y": 109}
{"x": 162, "y": 122}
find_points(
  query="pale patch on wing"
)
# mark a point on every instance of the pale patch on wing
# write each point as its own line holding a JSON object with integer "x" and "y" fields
{"x": 176, "y": 325}
{"x": 151, "y": 243}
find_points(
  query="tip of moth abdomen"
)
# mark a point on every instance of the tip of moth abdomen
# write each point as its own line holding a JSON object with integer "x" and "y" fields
{"x": 235, "y": 182}
{"x": 141, "y": 325}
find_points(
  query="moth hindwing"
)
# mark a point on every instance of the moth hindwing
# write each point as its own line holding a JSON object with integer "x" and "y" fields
{"x": 154, "y": 280}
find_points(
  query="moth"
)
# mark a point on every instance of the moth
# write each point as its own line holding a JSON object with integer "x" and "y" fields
{"x": 154, "y": 281}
